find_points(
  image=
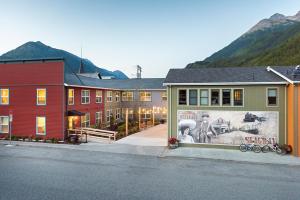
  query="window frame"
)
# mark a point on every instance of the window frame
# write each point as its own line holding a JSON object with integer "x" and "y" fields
{"x": 8, "y": 96}
{"x": 230, "y": 96}
{"x": 1, "y": 132}
{"x": 99, "y": 96}
{"x": 118, "y": 113}
{"x": 109, "y": 98}
{"x": 197, "y": 96}
{"x": 117, "y": 96}
{"x": 85, "y": 97}
{"x": 108, "y": 115}
{"x": 37, "y": 97}
{"x": 208, "y": 97}
{"x": 267, "y": 97}
{"x": 243, "y": 94}
{"x": 73, "y": 97}
{"x": 36, "y": 126}
{"x": 219, "y": 96}
{"x": 186, "y": 97}
{"x": 98, "y": 118}
{"x": 126, "y": 97}
{"x": 85, "y": 120}
{"x": 164, "y": 96}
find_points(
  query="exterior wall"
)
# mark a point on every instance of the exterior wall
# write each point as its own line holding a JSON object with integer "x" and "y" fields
{"x": 22, "y": 80}
{"x": 255, "y": 99}
{"x": 91, "y": 108}
{"x": 113, "y": 105}
{"x": 156, "y": 101}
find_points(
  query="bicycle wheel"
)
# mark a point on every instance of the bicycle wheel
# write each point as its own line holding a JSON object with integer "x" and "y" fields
{"x": 265, "y": 149}
{"x": 256, "y": 149}
{"x": 243, "y": 148}
{"x": 278, "y": 151}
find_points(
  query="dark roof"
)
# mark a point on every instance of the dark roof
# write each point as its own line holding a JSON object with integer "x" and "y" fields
{"x": 124, "y": 84}
{"x": 31, "y": 60}
{"x": 222, "y": 75}
{"x": 287, "y": 71}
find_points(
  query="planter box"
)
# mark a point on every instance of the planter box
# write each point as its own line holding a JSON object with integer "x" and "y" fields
{"x": 173, "y": 146}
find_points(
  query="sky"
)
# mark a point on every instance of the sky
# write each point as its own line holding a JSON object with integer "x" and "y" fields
{"x": 120, "y": 34}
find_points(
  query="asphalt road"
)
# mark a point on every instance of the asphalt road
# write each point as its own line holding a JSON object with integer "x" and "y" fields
{"x": 47, "y": 173}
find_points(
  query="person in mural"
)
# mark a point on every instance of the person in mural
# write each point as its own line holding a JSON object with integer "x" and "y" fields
{"x": 205, "y": 134}
{"x": 184, "y": 135}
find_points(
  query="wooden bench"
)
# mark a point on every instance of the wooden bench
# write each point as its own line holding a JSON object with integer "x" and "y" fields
{"x": 77, "y": 132}
{"x": 100, "y": 133}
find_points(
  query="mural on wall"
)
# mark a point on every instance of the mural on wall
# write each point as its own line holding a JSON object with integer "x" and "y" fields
{"x": 227, "y": 127}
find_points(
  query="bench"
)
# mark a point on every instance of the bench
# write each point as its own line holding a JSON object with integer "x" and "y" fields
{"x": 78, "y": 132}
{"x": 101, "y": 133}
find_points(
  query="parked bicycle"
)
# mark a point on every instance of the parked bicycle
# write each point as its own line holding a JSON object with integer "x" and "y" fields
{"x": 275, "y": 148}
{"x": 250, "y": 147}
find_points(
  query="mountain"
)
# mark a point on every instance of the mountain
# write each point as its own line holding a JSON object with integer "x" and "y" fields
{"x": 272, "y": 41}
{"x": 34, "y": 50}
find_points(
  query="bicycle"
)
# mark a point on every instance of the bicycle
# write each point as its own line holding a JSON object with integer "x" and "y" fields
{"x": 274, "y": 148}
{"x": 250, "y": 147}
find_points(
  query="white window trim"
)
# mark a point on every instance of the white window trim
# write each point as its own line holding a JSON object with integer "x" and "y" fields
{"x": 243, "y": 89}
{"x": 117, "y": 96}
{"x": 8, "y": 125}
{"x": 109, "y": 98}
{"x": 89, "y": 97}
{"x": 1, "y": 96}
{"x": 73, "y": 100}
{"x": 277, "y": 97}
{"x": 145, "y": 96}
{"x": 99, "y": 96}
{"x": 208, "y": 97}
{"x": 36, "y": 126}
{"x": 37, "y": 97}
{"x": 188, "y": 95}
{"x": 85, "y": 121}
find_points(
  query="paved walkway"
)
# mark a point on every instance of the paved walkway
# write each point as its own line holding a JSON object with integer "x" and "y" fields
{"x": 154, "y": 136}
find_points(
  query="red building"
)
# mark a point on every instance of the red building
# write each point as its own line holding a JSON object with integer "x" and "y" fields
{"x": 35, "y": 94}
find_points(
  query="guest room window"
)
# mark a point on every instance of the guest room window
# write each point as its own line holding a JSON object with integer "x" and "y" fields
{"x": 238, "y": 97}
{"x": 98, "y": 96}
{"x": 85, "y": 96}
{"x": 41, "y": 125}
{"x": 85, "y": 120}
{"x": 4, "y": 96}
{"x": 182, "y": 97}
{"x": 71, "y": 96}
{"x": 145, "y": 96}
{"x": 41, "y": 96}
{"x": 98, "y": 118}
{"x": 117, "y": 96}
{"x": 193, "y": 97}
{"x": 215, "y": 97}
{"x": 272, "y": 96}
{"x": 109, "y": 96}
{"x": 127, "y": 96}
{"x": 4, "y": 124}
{"x": 226, "y": 97}
{"x": 204, "y": 97}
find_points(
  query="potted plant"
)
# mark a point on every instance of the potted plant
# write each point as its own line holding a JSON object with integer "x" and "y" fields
{"x": 173, "y": 143}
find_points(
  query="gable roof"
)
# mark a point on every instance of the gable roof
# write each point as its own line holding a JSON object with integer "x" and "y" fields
{"x": 222, "y": 75}
{"x": 288, "y": 72}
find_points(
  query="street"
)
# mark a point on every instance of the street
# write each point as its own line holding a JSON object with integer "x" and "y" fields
{"x": 53, "y": 173}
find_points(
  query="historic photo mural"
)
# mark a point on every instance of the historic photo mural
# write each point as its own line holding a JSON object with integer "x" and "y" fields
{"x": 227, "y": 127}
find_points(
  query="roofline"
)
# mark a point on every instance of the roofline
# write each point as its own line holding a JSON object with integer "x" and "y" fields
{"x": 31, "y": 60}
{"x": 91, "y": 87}
{"x": 279, "y": 74}
{"x": 229, "y": 83}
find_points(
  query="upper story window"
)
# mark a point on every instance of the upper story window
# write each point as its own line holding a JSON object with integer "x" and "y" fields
{"x": 238, "y": 97}
{"x": 71, "y": 96}
{"x": 204, "y": 97}
{"x": 164, "y": 96}
{"x": 4, "y": 124}
{"x": 98, "y": 96}
{"x": 226, "y": 97}
{"x": 127, "y": 96}
{"x": 41, "y": 125}
{"x": 109, "y": 95}
{"x": 182, "y": 97}
{"x": 145, "y": 96}
{"x": 85, "y": 96}
{"x": 85, "y": 120}
{"x": 193, "y": 97}
{"x": 4, "y": 96}
{"x": 41, "y": 96}
{"x": 215, "y": 97}
{"x": 117, "y": 96}
{"x": 272, "y": 96}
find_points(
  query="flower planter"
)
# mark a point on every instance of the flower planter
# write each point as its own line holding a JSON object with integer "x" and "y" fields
{"x": 173, "y": 146}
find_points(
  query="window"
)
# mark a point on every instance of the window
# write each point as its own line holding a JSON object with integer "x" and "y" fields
{"x": 145, "y": 96}
{"x": 182, "y": 97}
{"x": 272, "y": 96}
{"x": 117, "y": 96}
{"x": 71, "y": 96}
{"x": 4, "y": 96}
{"x": 215, "y": 97}
{"x": 226, "y": 97}
{"x": 85, "y": 96}
{"x": 98, "y": 96}
{"x": 118, "y": 113}
{"x": 193, "y": 97}
{"x": 4, "y": 124}
{"x": 238, "y": 97}
{"x": 127, "y": 96}
{"x": 41, "y": 96}
{"x": 204, "y": 97}
{"x": 146, "y": 114}
{"x": 164, "y": 96}
{"x": 41, "y": 125}
{"x": 108, "y": 115}
{"x": 130, "y": 113}
{"x": 85, "y": 120}
{"x": 98, "y": 118}
{"x": 109, "y": 96}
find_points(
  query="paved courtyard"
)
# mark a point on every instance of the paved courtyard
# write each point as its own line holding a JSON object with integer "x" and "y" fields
{"x": 154, "y": 136}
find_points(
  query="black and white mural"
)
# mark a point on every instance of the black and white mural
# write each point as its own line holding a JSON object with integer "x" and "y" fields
{"x": 227, "y": 127}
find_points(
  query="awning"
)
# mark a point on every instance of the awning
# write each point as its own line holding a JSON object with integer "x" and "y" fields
{"x": 75, "y": 113}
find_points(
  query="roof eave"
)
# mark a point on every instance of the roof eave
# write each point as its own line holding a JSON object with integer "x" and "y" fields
{"x": 229, "y": 83}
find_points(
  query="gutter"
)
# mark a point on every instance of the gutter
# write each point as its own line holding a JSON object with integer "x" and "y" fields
{"x": 228, "y": 83}
{"x": 279, "y": 74}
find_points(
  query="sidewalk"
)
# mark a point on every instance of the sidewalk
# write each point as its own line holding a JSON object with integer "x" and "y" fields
{"x": 182, "y": 152}
{"x": 232, "y": 155}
